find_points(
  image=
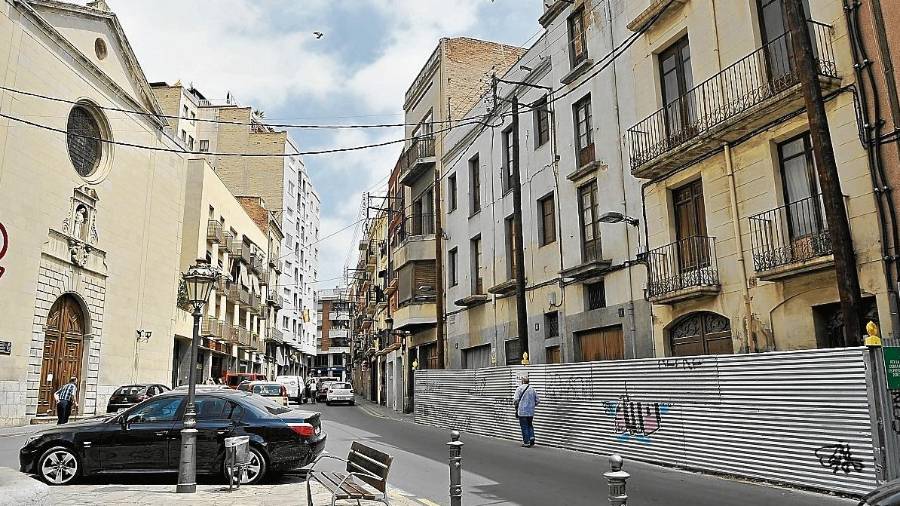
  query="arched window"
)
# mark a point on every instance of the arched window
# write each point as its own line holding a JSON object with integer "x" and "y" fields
{"x": 701, "y": 333}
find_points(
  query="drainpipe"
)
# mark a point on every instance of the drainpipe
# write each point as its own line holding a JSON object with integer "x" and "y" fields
{"x": 739, "y": 245}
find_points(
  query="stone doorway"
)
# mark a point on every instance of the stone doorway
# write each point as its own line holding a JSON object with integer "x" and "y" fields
{"x": 63, "y": 350}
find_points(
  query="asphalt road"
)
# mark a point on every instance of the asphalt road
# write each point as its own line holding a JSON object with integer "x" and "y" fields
{"x": 499, "y": 471}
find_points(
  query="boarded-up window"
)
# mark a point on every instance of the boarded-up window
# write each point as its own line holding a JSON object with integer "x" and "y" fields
{"x": 476, "y": 357}
{"x": 553, "y": 355}
{"x": 605, "y": 343}
{"x": 405, "y": 283}
{"x": 513, "y": 352}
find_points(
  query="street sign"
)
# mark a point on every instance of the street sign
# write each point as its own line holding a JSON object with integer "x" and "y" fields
{"x": 5, "y": 347}
{"x": 892, "y": 366}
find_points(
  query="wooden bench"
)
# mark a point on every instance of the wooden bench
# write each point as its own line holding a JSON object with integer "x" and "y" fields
{"x": 364, "y": 479}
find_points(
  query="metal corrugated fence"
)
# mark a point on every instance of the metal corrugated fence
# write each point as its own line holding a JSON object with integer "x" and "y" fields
{"x": 798, "y": 417}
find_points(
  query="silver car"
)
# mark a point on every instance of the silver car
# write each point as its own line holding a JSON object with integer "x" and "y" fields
{"x": 339, "y": 392}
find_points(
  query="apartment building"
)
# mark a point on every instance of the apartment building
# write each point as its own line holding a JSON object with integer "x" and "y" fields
{"x": 90, "y": 230}
{"x": 333, "y": 333}
{"x": 280, "y": 180}
{"x": 584, "y": 297}
{"x": 740, "y": 257}
{"x": 218, "y": 229}
{"x": 451, "y": 81}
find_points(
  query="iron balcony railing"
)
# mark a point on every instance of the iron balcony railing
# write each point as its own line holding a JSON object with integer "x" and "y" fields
{"x": 227, "y": 332}
{"x": 420, "y": 149}
{"x": 750, "y": 81}
{"x": 417, "y": 224}
{"x": 790, "y": 234}
{"x": 210, "y": 327}
{"x": 682, "y": 264}
{"x": 214, "y": 231}
{"x": 227, "y": 241}
{"x": 241, "y": 335}
{"x": 274, "y": 334}
{"x": 241, "y": 250}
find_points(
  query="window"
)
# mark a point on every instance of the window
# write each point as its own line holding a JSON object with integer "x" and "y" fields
{"x": 584, "y": 140}
{"x": 452, "y": 257}
{"x": 83, "y": 140}
{"x": 510, "y": 227}
{"x": 513, "y": 352}
{"x": 285, "y": 323}
{"x": 805, "y": 211}
{"x": 690, "y": 226}
{"x": 475, "y": 253}
{"x": 541, "y": 122}
{"x": 547, "y": 220}
{"x": 551, "y": 324}
{"x": 606, "y": 343}
{"x": 595, "y": 295}
{"x": 577, "y": 42}
{"x": 157, "y": 410}
{"x": 590, "y": 226}
{"x": 506, "y": 179}
{"x": 185, "y": 114}
{"x": 474, "y": 186}
{"x": 191, "y": 142}
{"x": 451, "y": 190}
{"x": 476, "y": 357}
{"x": 553, "y": 356}
{"x": 183, "y": 136}
{"x": 675, "y": 80}
{"x": 204, "y": 145}
{"x": 215, "y": 408}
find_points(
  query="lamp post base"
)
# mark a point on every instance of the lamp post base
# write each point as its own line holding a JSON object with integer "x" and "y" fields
{"x": 187, "y": 469}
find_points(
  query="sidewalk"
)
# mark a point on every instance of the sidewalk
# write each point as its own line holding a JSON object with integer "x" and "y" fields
{"x": 380, "y": 411}
{"x": 154, "y": 495}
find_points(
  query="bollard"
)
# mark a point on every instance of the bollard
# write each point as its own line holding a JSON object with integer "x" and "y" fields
{"x": 455, "y": 446}
{"x": 616, "y": 479}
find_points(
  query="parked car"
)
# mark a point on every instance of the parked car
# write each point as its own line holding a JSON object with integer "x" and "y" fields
{"x": 233, "y": 379}
{"x": 128, "y": 395}
{"x": 146, "y": 438}
{"x": 322, "y": 385}
{"x": 275, "y": 391}
{"x": 340, "y": 391}
{"x": 295, "y": 387}
{"x": 885, "y": 495}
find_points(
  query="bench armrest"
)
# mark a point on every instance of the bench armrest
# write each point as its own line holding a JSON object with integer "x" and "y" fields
{"x": 324, "y": 455}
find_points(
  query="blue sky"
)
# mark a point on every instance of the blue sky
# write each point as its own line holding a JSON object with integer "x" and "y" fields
{"x": 264, "y": 53}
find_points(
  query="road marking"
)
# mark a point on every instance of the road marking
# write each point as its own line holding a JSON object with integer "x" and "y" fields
{"x": 426, "y": 502}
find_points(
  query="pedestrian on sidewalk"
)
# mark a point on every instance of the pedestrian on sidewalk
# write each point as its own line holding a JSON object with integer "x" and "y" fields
{"x": 525, "y": 400}
{"x": 66, "y": 397}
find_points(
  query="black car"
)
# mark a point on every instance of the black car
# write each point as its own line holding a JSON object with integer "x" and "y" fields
{"x": 128, "y": 395}
{"x": 885, "y": 495}
{"x": 146, "y": 438}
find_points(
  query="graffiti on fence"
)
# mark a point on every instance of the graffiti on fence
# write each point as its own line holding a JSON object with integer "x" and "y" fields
{"x": 838, "y": 457}
{"x": 568, "y": 388}
{"x": 502, "y": 407}
{"x": 4, "y": 245}
{"x": 446, "y": 417}
{"x": 635, "y": 419}
{"x": 427, "y": 387}
{"x": 479, "y": 387}
{"x": 689, "y": 363}
{"x": 895, "y": 410}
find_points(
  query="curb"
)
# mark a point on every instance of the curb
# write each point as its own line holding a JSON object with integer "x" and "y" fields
{"x": 20, "y": 489}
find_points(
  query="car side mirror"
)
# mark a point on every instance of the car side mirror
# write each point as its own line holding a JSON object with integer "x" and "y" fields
{"x": 130, "y": 419}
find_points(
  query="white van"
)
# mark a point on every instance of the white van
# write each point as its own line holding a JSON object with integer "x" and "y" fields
{"x": 293, "y": 385}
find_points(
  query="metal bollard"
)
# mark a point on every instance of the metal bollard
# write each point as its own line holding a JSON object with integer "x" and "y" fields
{"x": 616, "y": 479}
{"x": 455, "y": 446}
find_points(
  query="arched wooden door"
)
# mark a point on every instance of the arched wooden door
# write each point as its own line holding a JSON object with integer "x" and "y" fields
{"x": 63, "y": 350}
{"x": 701, "y": 333}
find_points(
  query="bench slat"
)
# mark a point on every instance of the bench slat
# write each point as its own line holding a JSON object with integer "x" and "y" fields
{"x": 349, "y": 490}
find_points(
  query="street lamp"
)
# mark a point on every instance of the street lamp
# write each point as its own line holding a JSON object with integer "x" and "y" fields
{"x": 616, "y": 217}
{"x": 198, "y": 280}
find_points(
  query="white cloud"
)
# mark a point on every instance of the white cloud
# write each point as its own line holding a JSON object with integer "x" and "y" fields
{"x": 229, "y": 45}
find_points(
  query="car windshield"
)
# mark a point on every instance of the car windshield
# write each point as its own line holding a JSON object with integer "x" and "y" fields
{"x": 259, "y": 403}
{"x": 267, "y": 390}
{"x": 130, "y": 390}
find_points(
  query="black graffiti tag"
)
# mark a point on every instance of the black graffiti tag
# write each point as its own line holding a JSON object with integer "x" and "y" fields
{"x": 4, "y": 245}
{"x": 838, "y": 458}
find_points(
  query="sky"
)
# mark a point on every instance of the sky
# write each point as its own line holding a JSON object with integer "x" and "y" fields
{"x": 264, "y": 53}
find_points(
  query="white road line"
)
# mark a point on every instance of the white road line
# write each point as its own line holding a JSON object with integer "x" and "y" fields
{"x": 426, "y": 502}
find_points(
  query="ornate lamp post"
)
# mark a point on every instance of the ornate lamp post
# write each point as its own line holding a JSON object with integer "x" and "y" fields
{"x": 199, "y": 280}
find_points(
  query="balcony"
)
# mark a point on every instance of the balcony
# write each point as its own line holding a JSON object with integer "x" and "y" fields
{"x": 241, "y": 336}
{"x": 339, "y": 316}
{"x": 593, "y": 264}
{"x": 416, "y": 240}
{"x": 790, "y": 240}
{"x": 255, "y": 341}
{"x": 227, "y": 241}
{"x": 239, "y": 294}
{"x": 749, "y": 94}
{"x": 241, "y": 250}
{"x": 227, "y": 333}
{"x": 275, "y": 300}
{"x": 211, "y": 327}
{"x": 258, "y": 262}
{"x": 214, "y": 231}
{"x": 338, "y": 334}
{"x": 414, "y": 315}
{"x": 255, "y": 306}
{"x": 417, "y": 159}
{"x": 683, "y": 270}
{"x": 275, "y": 335}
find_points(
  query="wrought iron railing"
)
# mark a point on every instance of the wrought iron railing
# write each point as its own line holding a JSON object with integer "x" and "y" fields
{"x": 757, "y": 77}
{"x": 419, "y": 149}
{"x": 214, "y": 231}
{"x": 682, "y": 264}
{"x": 789, "y": 234}
{"x": 417, "y": 224}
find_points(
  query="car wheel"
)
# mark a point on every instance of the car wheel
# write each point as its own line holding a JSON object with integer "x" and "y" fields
{"x": 328, "y": 403}
{"x": 255, "y": 471}
{"x": 58, "y": 466}
{"x": 353, "y": 403}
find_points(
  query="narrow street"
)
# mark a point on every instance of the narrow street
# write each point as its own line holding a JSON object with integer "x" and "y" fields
{"x": 495, "y": 471}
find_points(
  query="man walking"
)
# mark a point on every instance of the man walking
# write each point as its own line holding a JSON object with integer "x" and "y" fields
{"x": 66, "y": 397}
{"x": 525, "y": 399}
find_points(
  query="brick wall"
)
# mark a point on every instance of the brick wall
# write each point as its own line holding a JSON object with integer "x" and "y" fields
{"x": 326, "y": 325}
{"x": 468, "y": 64}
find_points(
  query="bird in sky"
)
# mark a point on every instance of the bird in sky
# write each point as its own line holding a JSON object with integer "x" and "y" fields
{"x": 318, "y": 35}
